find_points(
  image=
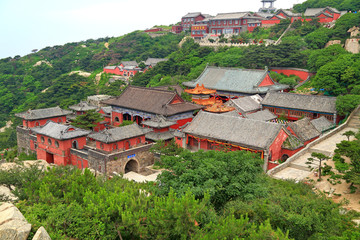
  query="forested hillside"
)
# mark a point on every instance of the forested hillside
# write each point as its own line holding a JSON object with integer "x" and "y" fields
{"x": 341, "y": 5}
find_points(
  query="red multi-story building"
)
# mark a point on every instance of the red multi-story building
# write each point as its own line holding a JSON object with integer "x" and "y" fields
{"x": 230, "y": 23}
{"x": 190, "y": 19}
{"x": 199, "y": 31}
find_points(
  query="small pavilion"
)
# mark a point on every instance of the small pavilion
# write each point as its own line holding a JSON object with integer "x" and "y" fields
{"x": 201, "y": 95}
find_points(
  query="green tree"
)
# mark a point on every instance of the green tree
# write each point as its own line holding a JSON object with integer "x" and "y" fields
{"x": 346, "y": 104}
{"x": 348, "y": 134}
{"x": 317, "y": 157}
{"x": 88, "y": 120}
{"x": 224, "y": 175}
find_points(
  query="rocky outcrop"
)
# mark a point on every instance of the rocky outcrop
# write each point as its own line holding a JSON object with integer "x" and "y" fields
{"x": 13, "y": 224}
{"x": 41, "y": 234}
{"x": 352, "y": 45}
{"x": 333, "y": 42}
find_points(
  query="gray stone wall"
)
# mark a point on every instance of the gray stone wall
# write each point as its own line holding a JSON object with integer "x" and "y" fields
{"x": 23, "y": 140}
{"x": 116, "y": 162}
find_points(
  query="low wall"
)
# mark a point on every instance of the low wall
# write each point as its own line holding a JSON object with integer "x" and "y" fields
{"x": 308, "y": 147}
{"x": 303, "y": 74}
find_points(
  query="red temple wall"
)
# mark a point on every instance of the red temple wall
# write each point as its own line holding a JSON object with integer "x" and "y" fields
{"x": 276, "y": 147}
{"x": 42, "y": 122}
{"x": 180, "y": 123}
{"x": 302, "y": 74}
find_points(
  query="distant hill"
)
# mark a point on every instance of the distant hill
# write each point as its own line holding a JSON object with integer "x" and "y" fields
{"x": 341, "y": 5}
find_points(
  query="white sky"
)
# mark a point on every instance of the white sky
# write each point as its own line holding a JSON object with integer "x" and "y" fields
{"x": 35, "y": 24}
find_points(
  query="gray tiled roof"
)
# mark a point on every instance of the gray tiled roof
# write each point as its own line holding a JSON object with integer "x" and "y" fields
{"x": 234, "y": 15}
{"x": 156, "y": 136}
{"x": 158, "y": 121}
{"x": 129, "y": 63}
{"x": 241, "y": 131}
{"x": 43, "y": 113}
{"x": 235, "y": 80}
{"x": 154, "y": 61}
{"x": 110, "y": 67}
{"x": 82, "y": 106}
{"x": 119, "y": 133}
{"x": 60, "y": 131}
{"x": 315, "y": 11}
{"x": 288, "y": 13}
{"x": 303, "y": 129}
{"x": 107, "y": 110}
{"x": 264, "y": 115}
{"x": 322, "y": 124}
{"x": 320, "y": 104}
{"x": 151, "y": 100}
{"x": 179, "y": 90}
{"x": 265, "y": 14}
{"x": 246, "y": 104}
{"x": 192, "y": 15}
{"x": 312, "y": 12}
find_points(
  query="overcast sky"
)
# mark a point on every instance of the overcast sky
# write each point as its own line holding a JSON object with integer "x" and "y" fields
{"x": 35, "y": 24}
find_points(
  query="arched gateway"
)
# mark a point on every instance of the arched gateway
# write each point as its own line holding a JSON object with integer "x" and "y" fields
{"x": 131, "y": 166}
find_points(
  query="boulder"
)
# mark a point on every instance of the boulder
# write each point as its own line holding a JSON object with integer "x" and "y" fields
{"x": 13, "y": 224}
{"x": 41, "y": 234}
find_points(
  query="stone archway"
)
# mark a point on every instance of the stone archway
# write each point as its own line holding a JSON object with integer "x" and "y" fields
{"x": 131, "y": 166}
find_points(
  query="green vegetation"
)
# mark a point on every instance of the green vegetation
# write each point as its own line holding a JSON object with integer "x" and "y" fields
{"x": 347, "y": 5}
{"x": 87, "y": 120}
{"x": 249, "y": 205}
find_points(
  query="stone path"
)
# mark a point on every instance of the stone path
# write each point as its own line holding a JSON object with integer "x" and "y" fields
{"x": 141, "y": 178}
{"x": 299, "y": 170}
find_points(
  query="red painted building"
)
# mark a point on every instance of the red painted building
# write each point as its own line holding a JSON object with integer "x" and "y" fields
{"x": 119, "y": 138}
{"x": 153, "y": 30}
{"x": 54, "y": 142}
{"x": 139, "y": 104}
{"x": 209, "y": 131}
{"x": 160, "y": 129}
{"x": 126, "y": 69}
{"x": 199, "y": 31}
{"x": 236, "y": 82}
{"x": 324, "y": 15}
{"x": 82, "y": 107}
{"x": 177, "y": 29}
{"x": 190, "y": 19}
{"x": 296, "y": 106}
{"x": 230, "y": 23}
{"x": 39, "y": 117}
